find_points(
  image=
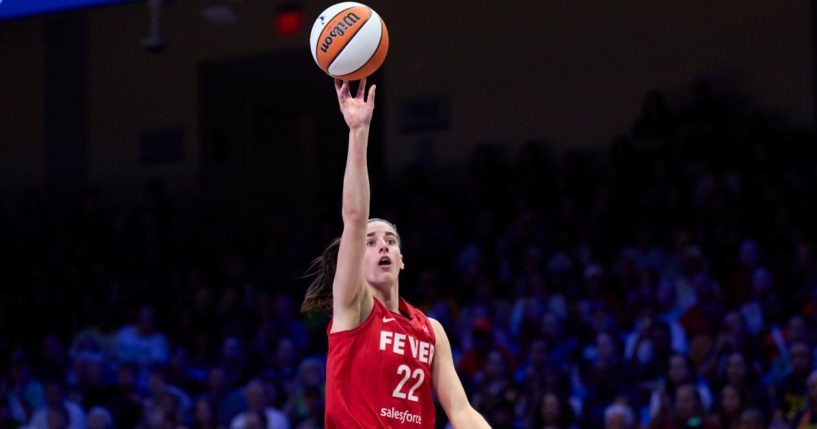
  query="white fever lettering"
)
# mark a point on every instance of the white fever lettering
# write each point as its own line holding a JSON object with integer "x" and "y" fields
{"x": 396, "y": 342}
{"x": 399, "y": 343}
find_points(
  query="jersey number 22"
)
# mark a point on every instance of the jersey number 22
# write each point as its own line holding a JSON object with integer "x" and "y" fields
{"x": 406, "y": 372}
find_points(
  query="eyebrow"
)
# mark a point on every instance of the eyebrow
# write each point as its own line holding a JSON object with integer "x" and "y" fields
{"x": 387, "y": 233}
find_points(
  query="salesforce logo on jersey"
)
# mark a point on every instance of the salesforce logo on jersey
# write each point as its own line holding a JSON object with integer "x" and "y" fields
{"x": 403, "y": 416}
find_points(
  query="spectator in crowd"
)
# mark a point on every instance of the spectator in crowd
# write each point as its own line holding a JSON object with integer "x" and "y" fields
{"x": 603, "y": 379}
{"x": 680, "y": 372}
{"x": 673, "y": 275}
{"x": 24, "y": 394}
{"x": 752, "y": 418}
{"x": 496, "y": 390}
{"x": 259, "y": 413}
{"x": 730, "y": 406}
{"x": 99, "y": 418}
{"x": 792, "y": 392}
{"x": 141, "y": 344}
{"x": 203, "y": 415}
{"x": 552, "y": 411}
{"x": 808, "y": 417}
{"x": 684, "y": 412}
{"x": 531, "y": 373}
{"x": 313, "y": 404}
{"x": 125, "y": 402}
{"x": 619, "y": 416}
{"x": 226, "y": 402}
{"x": 58, "y": 409}
{"x": 311, "y": 378}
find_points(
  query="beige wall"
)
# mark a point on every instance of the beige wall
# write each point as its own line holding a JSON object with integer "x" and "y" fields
{"x": 569, "y": 71}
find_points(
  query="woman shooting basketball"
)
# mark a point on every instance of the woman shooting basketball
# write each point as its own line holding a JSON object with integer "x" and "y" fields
{"x": 384, "y": 355}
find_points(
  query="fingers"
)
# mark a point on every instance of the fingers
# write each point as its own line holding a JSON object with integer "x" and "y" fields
{"x": 371, "y": 94}
{"x": 342, "y": 88}
{"x": 361, "y": 89}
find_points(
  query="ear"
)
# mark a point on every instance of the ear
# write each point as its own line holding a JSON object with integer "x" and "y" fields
{"x": 402, "y": 264}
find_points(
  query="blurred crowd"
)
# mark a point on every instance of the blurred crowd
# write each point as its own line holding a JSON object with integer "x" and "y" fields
{"x": 669, "y": 281}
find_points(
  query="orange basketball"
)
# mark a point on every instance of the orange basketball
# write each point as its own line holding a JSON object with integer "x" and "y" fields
{"x": 349, "y": 41}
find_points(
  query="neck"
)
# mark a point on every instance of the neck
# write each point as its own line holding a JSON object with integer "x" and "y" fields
{"x": 388, "y": 295}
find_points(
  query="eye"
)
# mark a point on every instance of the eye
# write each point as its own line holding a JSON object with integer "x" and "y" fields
{"x": 370, "y": 243}
{"x": 391, "y": 241}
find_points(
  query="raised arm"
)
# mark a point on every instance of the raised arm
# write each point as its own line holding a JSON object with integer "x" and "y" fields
{"x": 351, "y": 300}
{"x": 448, "y": 387}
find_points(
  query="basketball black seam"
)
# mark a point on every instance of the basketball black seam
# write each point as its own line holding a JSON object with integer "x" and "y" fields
{"x": 353, "y": 38}
{"x": 379, "y": 42}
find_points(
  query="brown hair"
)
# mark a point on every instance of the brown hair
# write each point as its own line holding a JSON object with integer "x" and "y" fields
{"x": 319, "y": 294}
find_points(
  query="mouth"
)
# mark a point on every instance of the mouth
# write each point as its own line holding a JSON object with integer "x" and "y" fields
{"x": 384, "y": 261}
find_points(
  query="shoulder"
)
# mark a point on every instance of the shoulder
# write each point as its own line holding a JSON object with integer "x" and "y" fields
{"x": 439, "y": 331}
{"x": 438, "y": 327}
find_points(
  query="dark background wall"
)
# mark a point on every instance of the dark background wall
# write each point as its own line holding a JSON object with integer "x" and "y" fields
{"x": 456, "y": 75}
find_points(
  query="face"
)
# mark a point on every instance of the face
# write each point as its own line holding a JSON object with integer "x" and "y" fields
{"x": 383, "y": 260}
{"x": 203, "y": 411}
{"x": 735, "y": 368}
{"x": 550, "y": 326}
{"x": 800, "y": 358}
{"x": 254, "y": 395}
{"x": 730, "y": 400}
{"x": 733, "y": 323}
{"x": 216, "y": 379}
{"x": 231, "y": 348}
{"x": 686, "y": 402}
{"x": 156, "y": 383}
{"x": 678, "y": 370}
{"x": 538, "y": 353}
{"x": 550, "y": 408}
{"x": 616, "y": 421}
{"x": 605, "y": 346}
{"x": 127, "y": 377}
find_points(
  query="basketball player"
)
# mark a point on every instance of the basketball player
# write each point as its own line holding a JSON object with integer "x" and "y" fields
{"x": 385, "y": 356}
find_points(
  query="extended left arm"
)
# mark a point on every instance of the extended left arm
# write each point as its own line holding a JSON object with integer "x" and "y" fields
{"x": 448, "y": 387}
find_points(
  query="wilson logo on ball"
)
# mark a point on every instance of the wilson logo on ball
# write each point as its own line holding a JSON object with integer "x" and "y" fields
{"x": 349, "y": 41}
{"x": 339, "y": 30}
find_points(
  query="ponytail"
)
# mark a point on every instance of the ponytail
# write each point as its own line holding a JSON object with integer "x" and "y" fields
{"x": 319, "y": 294}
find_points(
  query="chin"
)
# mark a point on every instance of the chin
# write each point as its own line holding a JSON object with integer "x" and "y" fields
{"x": 383, "y": 279}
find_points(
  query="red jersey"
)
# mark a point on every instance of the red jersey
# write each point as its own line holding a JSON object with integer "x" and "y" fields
{"x": 378, "y": 375}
